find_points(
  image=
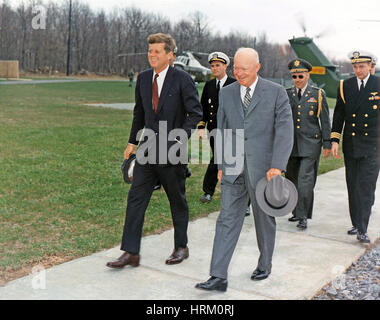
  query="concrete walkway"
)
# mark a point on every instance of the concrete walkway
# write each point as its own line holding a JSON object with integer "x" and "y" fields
{"x": 303, "y": 262}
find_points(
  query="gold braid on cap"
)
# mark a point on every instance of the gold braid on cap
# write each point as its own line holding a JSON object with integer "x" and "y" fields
{"x": 299, "y": 70}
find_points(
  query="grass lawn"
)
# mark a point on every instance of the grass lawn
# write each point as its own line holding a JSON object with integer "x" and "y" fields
{"x": 61, "y": 191}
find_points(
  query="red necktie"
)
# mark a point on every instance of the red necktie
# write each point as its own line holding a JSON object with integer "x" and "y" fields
{"x": 155, "y": 93}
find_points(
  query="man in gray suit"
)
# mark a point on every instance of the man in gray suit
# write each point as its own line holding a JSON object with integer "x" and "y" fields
{"x": 256, "y": 113}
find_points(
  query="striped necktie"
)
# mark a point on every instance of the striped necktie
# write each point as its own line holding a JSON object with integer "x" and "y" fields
{"x": 247, "y": 98}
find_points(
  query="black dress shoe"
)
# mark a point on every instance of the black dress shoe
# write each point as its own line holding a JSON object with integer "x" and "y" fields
{"x": 352, "y": 231}
{"x": 214, "y": 283}
{"x": 363, "y": 237}
{"x": 206, "y": 198}
{"x": 260, "y": 274}
{"x": 293, "y": 219}
{"x": 302, "y": 224}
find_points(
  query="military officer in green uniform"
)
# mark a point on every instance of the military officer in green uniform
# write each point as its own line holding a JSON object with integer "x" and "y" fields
{"x": 311, "y": 131}
{"x": 357, "y": 108}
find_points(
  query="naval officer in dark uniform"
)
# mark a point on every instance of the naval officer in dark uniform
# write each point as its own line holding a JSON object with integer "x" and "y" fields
{"x": 311, "y": 132}
{"x": 357, "y": 108}
{"x": 209, "y": 100}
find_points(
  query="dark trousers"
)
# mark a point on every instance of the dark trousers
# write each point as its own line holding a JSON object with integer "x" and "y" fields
{"x": 361, "y": 177}
{"x": 210, "y": 179}
{"x": 173, "y": 179}
{"x": 303, "y": 171}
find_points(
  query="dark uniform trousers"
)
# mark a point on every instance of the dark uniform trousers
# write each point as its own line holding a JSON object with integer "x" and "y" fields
{"x": 211, "y": 176}
{"x": 358, "y": 112}
{"x": 173, "y": 179}
{"x": 311, "y": 130}
{"x": 210, "y": 104}
{"x": 303, "y": 171}
{"x": 361, "y": 178}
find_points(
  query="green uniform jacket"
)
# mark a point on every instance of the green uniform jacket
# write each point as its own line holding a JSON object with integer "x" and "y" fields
{"x": 311, "y": 119}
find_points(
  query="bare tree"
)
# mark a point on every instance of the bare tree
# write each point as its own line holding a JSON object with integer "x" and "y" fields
{"x": 98, "y": 38}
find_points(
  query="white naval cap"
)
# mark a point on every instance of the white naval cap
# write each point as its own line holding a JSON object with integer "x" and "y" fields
{"x": 218, "y": 56}
{"x": 360, "y": 56}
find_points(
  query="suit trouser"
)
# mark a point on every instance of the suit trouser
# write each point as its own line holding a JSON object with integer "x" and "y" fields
{"x": 361, "y": 178}
{"x": 211, "y": 176}
{"x": 173, "y": 180}
{"x": 303, "y": 171}
{"x": 234, "y": 199}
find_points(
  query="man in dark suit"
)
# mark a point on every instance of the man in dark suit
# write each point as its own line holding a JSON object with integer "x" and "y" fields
{"x": 312, "y": 130}
{"x": 357, "y": 109}
{"x": 209, "y": 100}
{"x": 165, "y": 98}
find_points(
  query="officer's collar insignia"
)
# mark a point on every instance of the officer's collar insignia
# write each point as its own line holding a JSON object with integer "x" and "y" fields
{"x": 296, "y": 63}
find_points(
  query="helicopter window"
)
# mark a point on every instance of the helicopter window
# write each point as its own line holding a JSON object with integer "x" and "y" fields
{"x": 184, "y": 60}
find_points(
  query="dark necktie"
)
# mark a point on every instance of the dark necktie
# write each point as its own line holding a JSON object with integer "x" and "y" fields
{"x": 299, "y": 94}
{"x": 155, "y": 93}
{"x": 362, "y": 86}
{"x": 218, "y": 86}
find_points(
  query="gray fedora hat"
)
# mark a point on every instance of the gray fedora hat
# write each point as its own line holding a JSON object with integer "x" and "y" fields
{"x": 278, "y": 197}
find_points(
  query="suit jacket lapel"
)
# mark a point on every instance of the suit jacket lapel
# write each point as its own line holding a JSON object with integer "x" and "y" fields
{"x": 304, "y": 97}
{"x": 165, "y": 88}
{"x": 237, "y": 99}
{"x": 257, "y": 94}
{"x": 147, "y": 88}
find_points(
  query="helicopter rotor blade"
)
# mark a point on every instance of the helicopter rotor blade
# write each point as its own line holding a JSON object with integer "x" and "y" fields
{"x": 324, "y": 33}
{"x": 301, "y": 21}
{"x": 368, "y": 20}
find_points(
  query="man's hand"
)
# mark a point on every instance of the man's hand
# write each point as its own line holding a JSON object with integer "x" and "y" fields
{"x": 334, "y": 150}
{"x": 201, "y": 133}
{"x": 219, "y": 175}
{"x": 273, "y": 172}
{"x": 326, "y": 153}
{"x": 131, "y": 148}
